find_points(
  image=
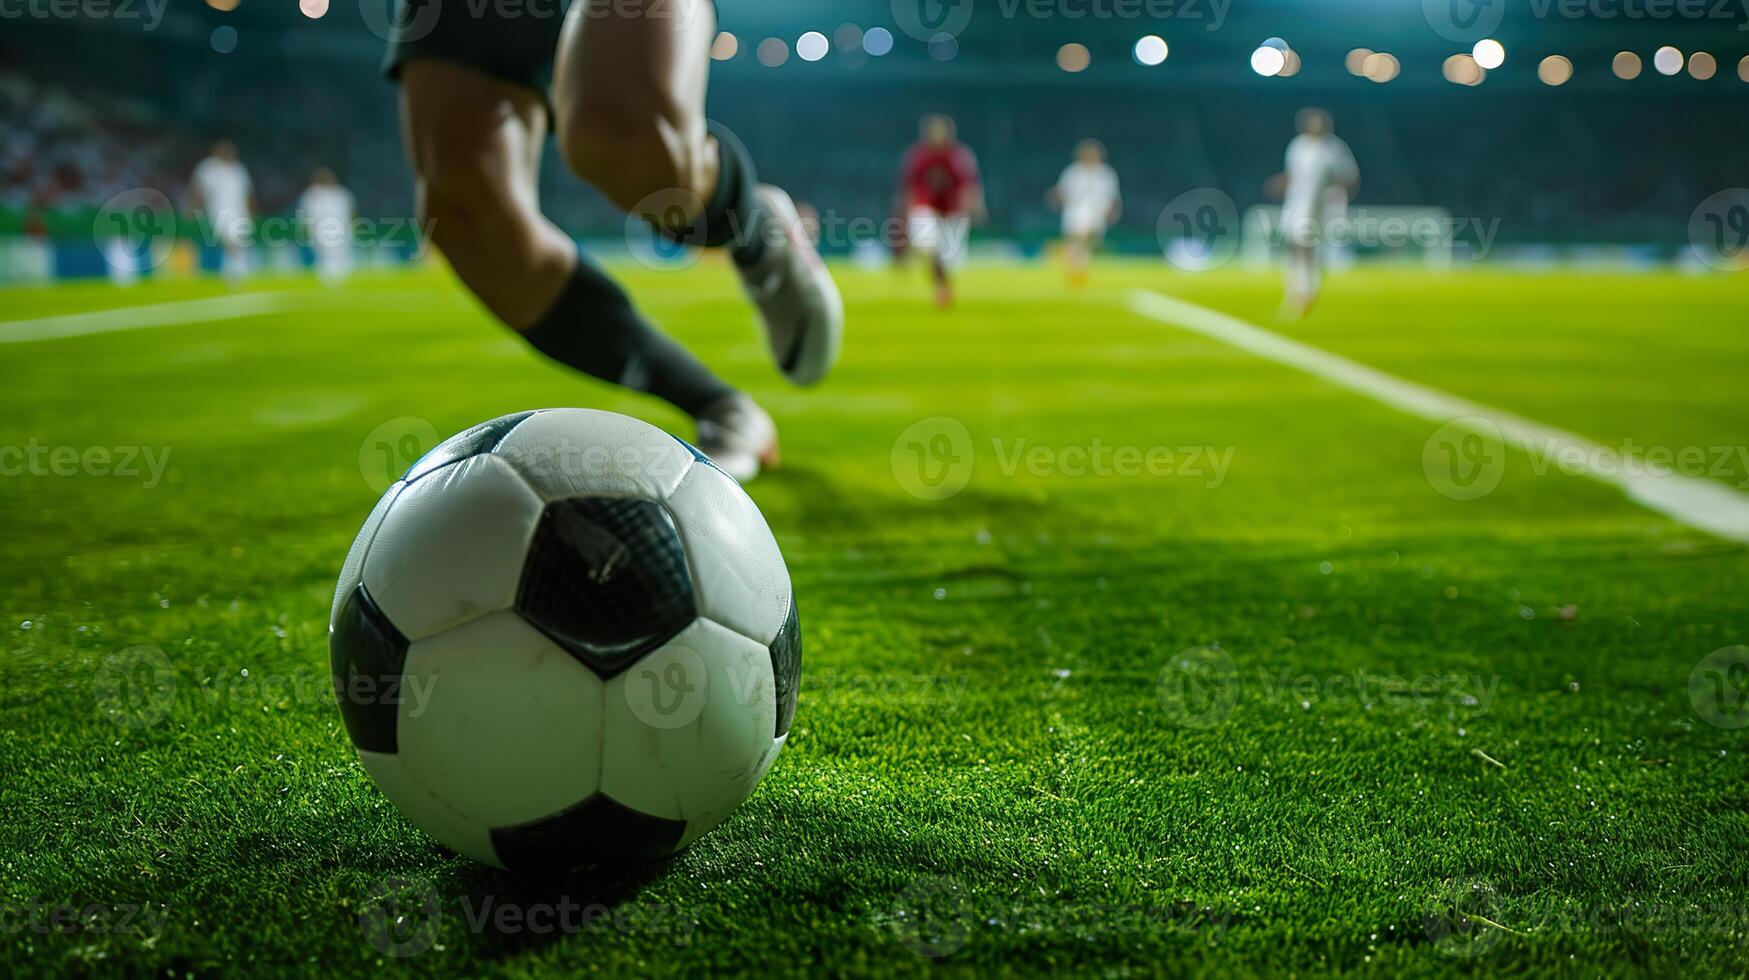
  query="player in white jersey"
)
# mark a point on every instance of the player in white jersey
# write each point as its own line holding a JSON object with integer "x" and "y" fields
{"x": 1320, "y": 176}
{"x": 1091, "y": 202}
{"x": 326, "y": 210}
{"x": 221, "y": 191}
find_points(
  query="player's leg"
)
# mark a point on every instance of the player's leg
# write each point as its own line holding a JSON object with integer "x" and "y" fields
{"x": 927, "y": 235}
{"x": 474, "y": 141}
{"x": 629, "y": 93}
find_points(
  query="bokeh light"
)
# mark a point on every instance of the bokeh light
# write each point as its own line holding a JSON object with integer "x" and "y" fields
{"x": 1291, "y": 66}
{"x": 1355, "y": 61}
{"x": 1626, "y": 65}
{"x": 1381, "y": 67}
{"x": 773, "y": 52}
{"x": 222, "y": 5}
{"x": 1074, "y": 57}
{"x": 1268, "y": 60}
{"x": 1554, "y": 70}
{"x": 944, "y": 46}
{"x": 1151, "y": 50}
{"x": 878, "y": 41}
{"x": 726, "y": 46}
{"x": 1489, "y": 53}
{"x": 848, "y": 37}
{"x": 812, "y": 46}
{"x": 224, "y": 39}
{"x": 1702, "y": 65}
{"x": 1743, "y": 68}
{"x": 1668, "y": 60}
{"x": 313, "y": 9}
{"x": 1462, "y": 69}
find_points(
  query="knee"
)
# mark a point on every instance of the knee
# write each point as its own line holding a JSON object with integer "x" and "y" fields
{"x": 630, "y": 152}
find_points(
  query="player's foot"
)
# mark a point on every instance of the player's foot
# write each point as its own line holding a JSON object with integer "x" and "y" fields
{"x": 944, "y": 296}
{"x": 738, "y": 436}
{"x": 796, "y": 297}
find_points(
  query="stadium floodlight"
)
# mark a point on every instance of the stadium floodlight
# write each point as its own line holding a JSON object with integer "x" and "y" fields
{"x": 1151, "y": 50}
{"x": 1489, "y": 53}
{"x": 1668, "y": 60}
{"x": 878, "y": 42}
{"x": 1702, "y": 66}
{"x": 1554, "y": 70}
{"x": 812, "y": 46}
{"x": 1269, "y": 58}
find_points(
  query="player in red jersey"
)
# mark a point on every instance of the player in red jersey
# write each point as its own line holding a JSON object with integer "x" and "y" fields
{"x": 941, "y": 194}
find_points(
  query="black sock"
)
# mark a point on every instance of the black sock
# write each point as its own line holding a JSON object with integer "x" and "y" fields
{"x": 594, "y": 328}
{"x": 732, "y": 217}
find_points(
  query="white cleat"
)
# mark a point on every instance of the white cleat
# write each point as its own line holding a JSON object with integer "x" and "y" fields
{"x": 795, "y": 295}
{"x": 739, "y": 437}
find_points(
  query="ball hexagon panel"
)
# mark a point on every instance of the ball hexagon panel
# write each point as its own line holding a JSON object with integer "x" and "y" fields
{"x": 579, "y": 452}
{"x": 352, "y": 571}
{"x": 503, "y": 726}
{"x": 451, "y": 547}
{"x": 706, "y": 821}
{"x": 421, "y": 806}
{"x": 607, "y": 580}
{"x": 482, "y": 438}
{"x": 738, "y": 570}
{"x": 688, "y": 727}
{"x": 594, "y": 830}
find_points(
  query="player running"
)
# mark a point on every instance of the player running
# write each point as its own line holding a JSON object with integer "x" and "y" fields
{"x": 1320, "y": 176}
{"x": 622, "y": 86}
{"x": 221, "y": 192}
{"x": 941, "y": 194}
{"x": 1089, "y": 197}
{"x": 327, "y": 210}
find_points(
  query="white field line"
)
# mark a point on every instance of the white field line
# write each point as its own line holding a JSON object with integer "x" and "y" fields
{"x": 1694, "y": 501}
{"x": 143, "y": 317}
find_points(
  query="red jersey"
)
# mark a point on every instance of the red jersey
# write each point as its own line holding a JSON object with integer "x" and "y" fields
{"x": 940, "y": 177}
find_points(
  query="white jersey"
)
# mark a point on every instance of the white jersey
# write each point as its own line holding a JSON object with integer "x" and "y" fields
{"x": 1317, "y": 165}
{"x": 1088, "y": 187}
{"x": 224, "y": 188}
{"x": 328, "y": 211}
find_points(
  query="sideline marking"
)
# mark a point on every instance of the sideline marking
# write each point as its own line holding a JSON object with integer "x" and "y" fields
{"x": 143, "y": 317}
{"x": 1697, "y": 502}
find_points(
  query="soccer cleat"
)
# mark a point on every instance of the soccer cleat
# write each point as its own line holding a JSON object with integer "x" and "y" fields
{"x": 796, "y": 297}
{"x": 738, "y": 436}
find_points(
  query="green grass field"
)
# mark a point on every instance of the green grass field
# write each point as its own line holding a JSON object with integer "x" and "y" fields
{"x": 1300, "y": 713}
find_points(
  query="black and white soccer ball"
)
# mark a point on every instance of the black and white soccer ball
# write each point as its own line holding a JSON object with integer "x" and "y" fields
{"x": 565, "y": 637}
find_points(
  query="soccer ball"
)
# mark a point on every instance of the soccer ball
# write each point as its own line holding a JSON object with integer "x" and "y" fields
{"x": 562, "y": 637}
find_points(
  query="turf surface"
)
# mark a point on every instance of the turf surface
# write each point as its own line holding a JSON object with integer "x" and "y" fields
{"x": 1297, "y": 713}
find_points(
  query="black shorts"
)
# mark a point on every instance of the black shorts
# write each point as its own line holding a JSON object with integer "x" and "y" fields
{"x": 511, "y": 40}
